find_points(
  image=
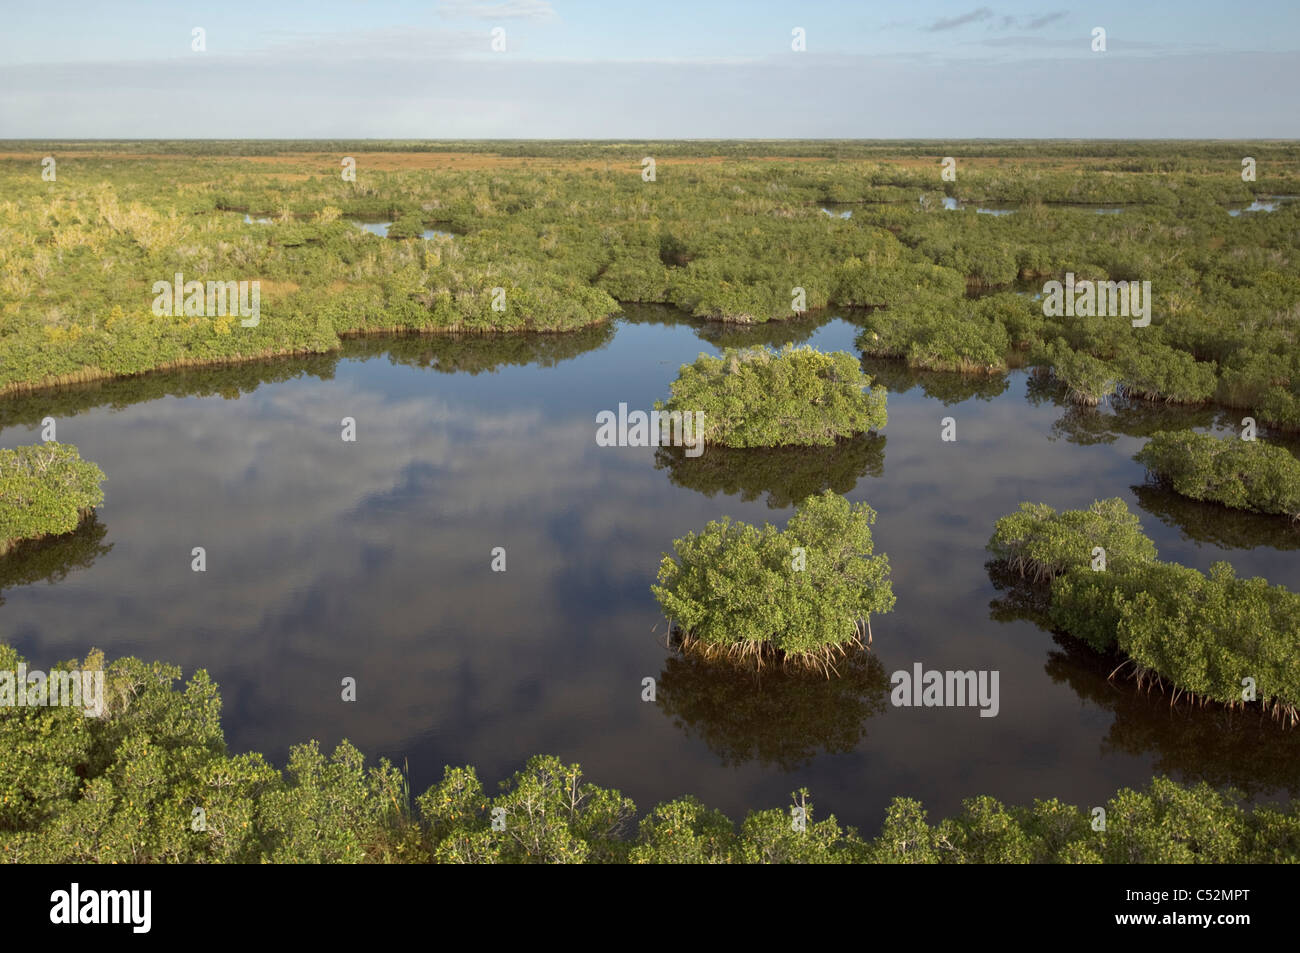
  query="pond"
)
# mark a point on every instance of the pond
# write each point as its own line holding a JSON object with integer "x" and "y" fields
{"x": 380, "y": 227}
{"x": 954, "y": 205}
{"x": 1265, "y": 203}
{"x": 371, "y": 559}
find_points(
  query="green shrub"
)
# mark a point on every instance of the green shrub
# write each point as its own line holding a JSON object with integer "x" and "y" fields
{"x": 738, "y": 590}
{"x": 1039, "y": 542}
{"x": 1190, "y": 633}
{"x": 45, "y": 490}
{"x": 1204, "y": 634}
{"x": 1157, "y": 372}
{"x": 407, "y": 226}
{"x": 1088, "y": 380}
{"x": 150, "y": 781}
{"x": 960, "y": 343}
{"x": 1242, "y": 474}
{"x": 797, "y": 396}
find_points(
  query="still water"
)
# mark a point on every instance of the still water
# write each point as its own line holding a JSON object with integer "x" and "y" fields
{"x": 371, "y": 559}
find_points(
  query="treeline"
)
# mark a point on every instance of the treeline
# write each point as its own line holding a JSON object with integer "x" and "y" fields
{"x": 151, "y": 781}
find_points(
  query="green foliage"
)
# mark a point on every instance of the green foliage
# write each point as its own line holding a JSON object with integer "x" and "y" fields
{"x": 127, "y": 788}
{"x": 45, "y": 490}
{"x": 1192, "y": 633}
{"x": 720, "y": 239}
{"x": 408, "y": 225}
{"x": 1242, "y": 474}
{"x": 1159, "y": 372}
{"x": 546, "y": 814}
{"x": 1040, "y": 542}
{"x": 685, "y": 831}
{"x": 1087, "y": 380}
{"x": 333, "y": 810}
{"x": 725, "y": 240}
{"x": 1171, "y": 824}
{"x": 121, "y": 787}
{"x": 794, "y": 397}
{"x": 1203, "y": 634}
{"x": 734, "y": 589}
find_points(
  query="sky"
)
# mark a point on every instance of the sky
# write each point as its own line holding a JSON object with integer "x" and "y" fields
{"x": 654, "y": 69}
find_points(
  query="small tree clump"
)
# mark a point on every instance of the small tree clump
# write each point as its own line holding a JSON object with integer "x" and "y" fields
{"x": 1042, "y": 543}
{"x": 755, "y": 397}
{"x": 803, "y": 595}
{"x": 45, "y": 490}
{"x": 1241, "y": 474}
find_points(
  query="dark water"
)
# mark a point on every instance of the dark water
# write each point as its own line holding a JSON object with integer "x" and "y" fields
{"x": 372, "y": 560}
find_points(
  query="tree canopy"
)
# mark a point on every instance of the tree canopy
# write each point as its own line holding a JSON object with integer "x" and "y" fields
{"x": 802, "y": 594}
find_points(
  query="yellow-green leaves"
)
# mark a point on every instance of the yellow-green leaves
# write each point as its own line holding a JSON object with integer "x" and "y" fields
{"x": 735, "y": 588}
{"x": 795, "y": 397}
{"x": 45, "y": 490}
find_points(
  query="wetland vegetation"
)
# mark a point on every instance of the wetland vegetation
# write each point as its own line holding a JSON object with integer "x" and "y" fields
{"x": 1094, "y": 575}
{"x": 124, "y": 788}
{"x": 554, "y": 236}
{"x": 802, "y": 595}
{"x": 498, "y": 260}
{"x": 45, "y": 490}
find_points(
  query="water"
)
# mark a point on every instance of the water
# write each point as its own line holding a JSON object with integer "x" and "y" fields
{"x": 380, "y": 228}
{"x": 1265, "y": 203}
{"x": 951, "y": 204}
{"x": 954, "y": 205}
{"x": 373, "y": 226}
{"x": 372, "y": 560}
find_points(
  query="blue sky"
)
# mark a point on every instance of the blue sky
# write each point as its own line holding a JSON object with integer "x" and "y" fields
{"x": 579, "y": 69}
